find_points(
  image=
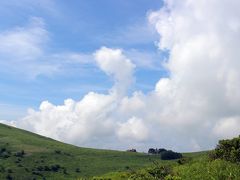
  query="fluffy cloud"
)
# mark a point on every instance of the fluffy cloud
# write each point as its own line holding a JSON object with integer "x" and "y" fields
{"x": 189, "y": 110}
{"x": 134, "y": 129}
{"x": 227, "y": 127}
{"x": 114, "y": 63}
{"x": 203, "y": 87}
{"x": 95, "y": 117}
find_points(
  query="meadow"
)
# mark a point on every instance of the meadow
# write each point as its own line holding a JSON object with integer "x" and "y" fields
{"x": 25, "y": 155}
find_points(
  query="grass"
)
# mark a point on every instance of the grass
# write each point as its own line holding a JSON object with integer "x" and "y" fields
{"x": 25, "y": 155}
{"x": 198, "y": 167}
{"x": 46, "y": 158}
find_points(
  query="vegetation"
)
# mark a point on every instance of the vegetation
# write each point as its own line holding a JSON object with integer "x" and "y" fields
{"x": 24, "y": 155}
{"x": 228, "y": 150}
{"x": 219, "y": 164}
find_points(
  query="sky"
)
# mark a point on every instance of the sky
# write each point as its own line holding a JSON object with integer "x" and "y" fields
{"x": 120, "y": 74}
{"x": 74, "y": 29}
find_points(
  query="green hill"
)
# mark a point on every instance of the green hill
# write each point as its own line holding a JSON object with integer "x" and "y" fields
{"x": 25, "y": 155}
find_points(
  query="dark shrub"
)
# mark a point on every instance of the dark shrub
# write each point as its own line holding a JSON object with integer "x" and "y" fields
{"x": 156, "y": 151}
{"x": 9, "y": 177}
{"x": 37, "y": 173}
{"x": 78, "y": 170}
{"x": 161, "y": 150}
{"x": 169, "y": 155}
{"x": 5, "y": 155}
{"x": 40, "y": 168}
{"x": 20, "y": 154}
{"x": 131, "y": 150}
{"x": 2, "y": 150}
{"x": 47, "y": 168}
{"x": 57, "y": 151}
{"x": 152, "y": 151}
{"x": 228, "y": 150}
{"x": 55, "y": 168}
{"x": 183, "y": 161}
{"x": 127, "y": 167}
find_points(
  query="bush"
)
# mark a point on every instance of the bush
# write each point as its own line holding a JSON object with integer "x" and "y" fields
{"x": 78, "y": 170}
{"x": 20, "y": 154}
{"x": 9, "y": 177}
{"x": 155, "y": 172}
{"x": 55, "y": 168}
{"x": 156, "y": 151}
{"x": 228, "y": 150}
{"x": 169, "y": 155}
{"x": 159, "y": 172}
{"x": 57, "y": 151}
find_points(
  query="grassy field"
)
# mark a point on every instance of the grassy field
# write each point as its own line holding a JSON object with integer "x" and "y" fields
{"x": 25, "y": 155}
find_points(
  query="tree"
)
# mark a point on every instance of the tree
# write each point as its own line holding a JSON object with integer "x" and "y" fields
{"x": 169, "y": 155}
{"x": 228, "y": 150}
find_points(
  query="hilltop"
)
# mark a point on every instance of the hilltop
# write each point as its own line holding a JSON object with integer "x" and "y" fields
{"x": 25, "y": 155}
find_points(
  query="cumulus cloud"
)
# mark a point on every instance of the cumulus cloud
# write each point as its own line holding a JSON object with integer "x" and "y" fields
{"x": 114, "y": 63}
{"x": 189, "y": 110}
{"x": 133, "y": 129}
{"x": 94, "y": 117}
{"x": 227, "y": 127}
{"x": 203, "y": 87}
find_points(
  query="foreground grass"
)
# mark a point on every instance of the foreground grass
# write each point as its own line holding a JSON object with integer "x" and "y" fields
{"x": 198, "y": 168}
{"x": 24, "y": 155}
{"x": 35, "y": 157}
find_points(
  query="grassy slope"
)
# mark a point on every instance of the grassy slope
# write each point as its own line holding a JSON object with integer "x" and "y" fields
{"x": 40, "y": 151}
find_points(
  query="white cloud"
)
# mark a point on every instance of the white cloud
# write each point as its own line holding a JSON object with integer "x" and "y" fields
{"x": 22, "y": 50}
{"x": 25, "y": 42}
{"x": 10, "y": 123}
{"x": 189, "y": 110}
{"x": 134, "y": 129}
{"x": 95, "y": 117}
{"x": 227, "y": 127}
{"x": 203, "y": 63}
{"x": 114, "y": 63}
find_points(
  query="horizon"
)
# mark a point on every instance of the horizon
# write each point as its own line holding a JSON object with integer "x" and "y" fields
{"x": 120, "y": 75}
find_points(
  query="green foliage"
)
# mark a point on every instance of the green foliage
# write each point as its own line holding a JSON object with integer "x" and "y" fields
{"x": 25, "y": 155}
{"x": 171, "y": 177}
{"x": 228, "y": 150}
{"x": 217, "y": 169}
{"x": 169, "y": 155}
{"x": 154, "y": 172}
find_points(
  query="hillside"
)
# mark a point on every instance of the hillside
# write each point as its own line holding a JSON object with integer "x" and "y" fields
{"x": 25, "y": 155}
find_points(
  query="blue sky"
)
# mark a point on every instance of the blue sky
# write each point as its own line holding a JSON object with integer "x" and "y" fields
{"x": 139, "y": 73}
{"x": 76, "y": 27}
